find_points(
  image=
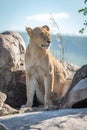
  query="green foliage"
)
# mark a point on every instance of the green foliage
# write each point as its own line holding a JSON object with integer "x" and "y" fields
{"x": 81, "y": 30}
{"x": 85, "y": 1}
{"x": 84, "y": 12}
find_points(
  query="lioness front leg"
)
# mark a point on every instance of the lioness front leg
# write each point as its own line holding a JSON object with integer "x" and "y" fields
{"x": 48, "y": 81}
{"x": 30, "y": 88}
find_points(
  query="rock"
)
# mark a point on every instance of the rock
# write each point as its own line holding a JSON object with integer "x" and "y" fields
{"x": 2, "y": 99}
{"x": 68, "y": 119}
{"x": 7, "y": 110}
{"x": 71, "y": 70}
{"x": 4, "y": 108}
{"x": 79, "y": 75}
{"x": 3, "y": 127}
{"x": 77, "y": 94}
{"x": 12, "y": 70}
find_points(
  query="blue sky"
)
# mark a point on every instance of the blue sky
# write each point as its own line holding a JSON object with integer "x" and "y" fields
{"x": 16, "y": 14}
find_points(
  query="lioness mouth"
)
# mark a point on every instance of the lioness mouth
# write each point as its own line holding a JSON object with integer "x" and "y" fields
{"x": 44, "y": 45}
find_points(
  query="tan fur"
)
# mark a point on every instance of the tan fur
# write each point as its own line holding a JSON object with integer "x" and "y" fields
{"x": 45, "y": 75}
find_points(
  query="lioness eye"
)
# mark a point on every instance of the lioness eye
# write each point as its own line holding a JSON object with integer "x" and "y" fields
{"x": 43, "y": 35}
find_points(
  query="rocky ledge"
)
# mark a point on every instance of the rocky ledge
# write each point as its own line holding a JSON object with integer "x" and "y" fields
{"x": 68, "y": 119}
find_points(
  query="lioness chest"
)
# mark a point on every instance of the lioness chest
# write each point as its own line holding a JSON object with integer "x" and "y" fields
{"x": 39, "y": 65}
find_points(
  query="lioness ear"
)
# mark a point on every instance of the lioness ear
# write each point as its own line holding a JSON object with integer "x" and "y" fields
{"x": 29, "y": 31}
{"x": 46, "y": 27}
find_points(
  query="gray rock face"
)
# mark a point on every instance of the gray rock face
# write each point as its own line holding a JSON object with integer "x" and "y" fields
{"x": 4, "y": 108}
{"x": 68, "y": 119}
{"x": 2, "y": 99}
{"x": 3, "y": 127}
{"x": 12, "y": 74}
{"x": 7, "y": 110}
{"x": 78, "y": 93}
{"x": 79, "y": 75}
{"x": 71, "y": 70}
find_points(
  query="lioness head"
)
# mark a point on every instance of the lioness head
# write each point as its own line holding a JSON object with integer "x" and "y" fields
{"x": 40, "y": 36}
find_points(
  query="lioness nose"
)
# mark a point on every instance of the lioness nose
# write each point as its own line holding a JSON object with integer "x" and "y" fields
{"x": 49, "y": 42}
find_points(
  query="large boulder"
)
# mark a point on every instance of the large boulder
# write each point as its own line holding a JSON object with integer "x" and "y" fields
{"x": 79, "y": 75}
{"x": 78, "y": 95}
{"x": 12, "y": 72}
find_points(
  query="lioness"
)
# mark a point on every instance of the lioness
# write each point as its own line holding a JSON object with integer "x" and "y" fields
{"x": 45, "y": 75}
